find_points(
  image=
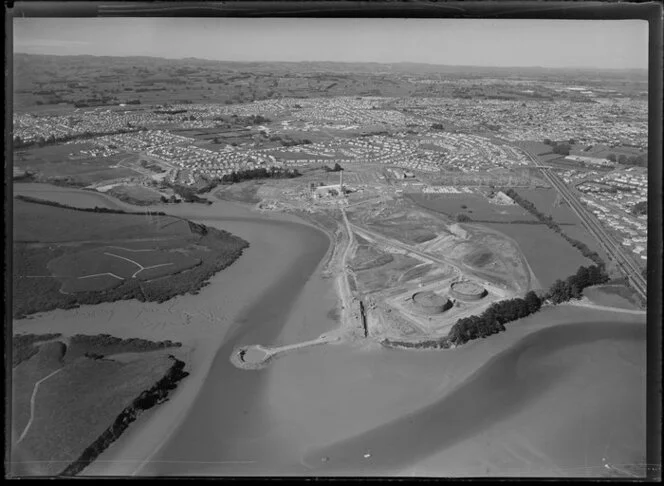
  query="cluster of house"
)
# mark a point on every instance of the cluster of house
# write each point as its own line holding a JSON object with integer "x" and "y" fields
{"x": 612, "y": 208}
{"x": 472, "y": 153}
{"x": 590, "y": 160}
{"x": 614, "y": 121}
{"x": 447, "y": 190}
{"x": 573, "y": 176}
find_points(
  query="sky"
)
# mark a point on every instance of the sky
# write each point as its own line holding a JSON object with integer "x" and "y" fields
{"x": 617, "y": 44}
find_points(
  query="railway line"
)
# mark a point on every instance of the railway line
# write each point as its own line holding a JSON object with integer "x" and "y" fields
{"x": 626, "y": 264}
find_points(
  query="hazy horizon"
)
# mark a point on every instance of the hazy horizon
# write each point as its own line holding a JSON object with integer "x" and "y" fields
{"x": 551, "y": 44}
{"x": 589, "y": 68}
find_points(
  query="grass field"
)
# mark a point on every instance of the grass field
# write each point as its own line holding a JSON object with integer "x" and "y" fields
{"x": 77, "y": 271}
{"x": 245, "y": 192}
{"x": 75, "y": 405}
{"x": 40, "y": 222}
{"x": 64, "y": 258}
{"x": 64, "y": 195}
{"x": 52, "y": 162}
{"x": 135, "y": 194}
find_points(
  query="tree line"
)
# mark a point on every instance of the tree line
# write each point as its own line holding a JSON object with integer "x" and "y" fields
{"x": 561, "y": 148}
{"x": 259, "y": 173}
{"x": 637, "y": 160}
{"x": 96, "y": 209}
{"x": 190, "y": 194}
{"x": 548, "y": 220}
{"x": 640, "y": 208}
{"x": 494, "y": 318}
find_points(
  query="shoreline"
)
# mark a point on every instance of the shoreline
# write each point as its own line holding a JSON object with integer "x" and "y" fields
{"x": 151, "y": 431}
{"x": 132, "y": 453}
{"x": 147, "y": 440}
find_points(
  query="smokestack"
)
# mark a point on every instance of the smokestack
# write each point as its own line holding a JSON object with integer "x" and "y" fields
{"x": 341, "y": 182}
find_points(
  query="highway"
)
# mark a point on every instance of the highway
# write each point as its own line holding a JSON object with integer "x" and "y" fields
{"x": 625, "y": 262}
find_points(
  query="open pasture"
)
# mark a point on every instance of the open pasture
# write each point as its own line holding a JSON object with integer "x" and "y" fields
{"x": 53, "y": 162}
{"x": 75, "y": 406}
{"x": 65, "y": 195}
{"x": 106, "y": 267}
{"x": 63, "y": 257}
{"x": 136, "y": 194}
{"x": 246, "y": 192}
{"x": 40, "y": 222}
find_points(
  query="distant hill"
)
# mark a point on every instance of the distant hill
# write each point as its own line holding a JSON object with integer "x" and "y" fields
{"x": 338, "y": 67}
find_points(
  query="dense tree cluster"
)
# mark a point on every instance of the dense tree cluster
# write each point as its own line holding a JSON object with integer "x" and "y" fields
{"x": 257, "y": 120}
{"x": 189, "y": 194}
{"x": 169, "y": 112}
{"x": 463, "y": 218}
{"x": 260, "y": 173}
{"x": 640, "y": 208}
{"x": 437, "y": 126}
{"x": 493, "y": 319}
{"x": 548, "y": 220}
{"x": 562, "y": 148}
{"x": 336, "y": 168}
{"x": 287, "y": 141}
{"x": 105, "y": 344}
{"x": 572, "y": 287}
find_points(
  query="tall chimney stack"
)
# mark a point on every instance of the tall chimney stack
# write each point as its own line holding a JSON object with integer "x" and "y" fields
{"x": 341, "y": 182}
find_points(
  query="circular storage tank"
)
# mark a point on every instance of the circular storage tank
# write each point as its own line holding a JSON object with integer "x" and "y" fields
{"x": 467, "y": 291}
{"x": 430, "y": 302}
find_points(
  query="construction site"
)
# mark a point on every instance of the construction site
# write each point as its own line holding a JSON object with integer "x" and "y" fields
{"x": 401, "y": 271}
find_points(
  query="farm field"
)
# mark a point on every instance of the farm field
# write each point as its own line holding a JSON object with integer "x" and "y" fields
{"x": 245, "y": 192}
{"x": 40, "y": 222}
{"x": 549, "y": 255}
{"x": 64, "y": 195}
{"x": 64, "y": 257}
{"x": 53, "y": 163}
{"x": 78, "y": 399}
{"x": 135, "y": 194}
{"x": 90, "y": 269}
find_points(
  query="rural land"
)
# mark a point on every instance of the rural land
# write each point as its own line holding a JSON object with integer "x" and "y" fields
{"x": 156, "y": 202}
